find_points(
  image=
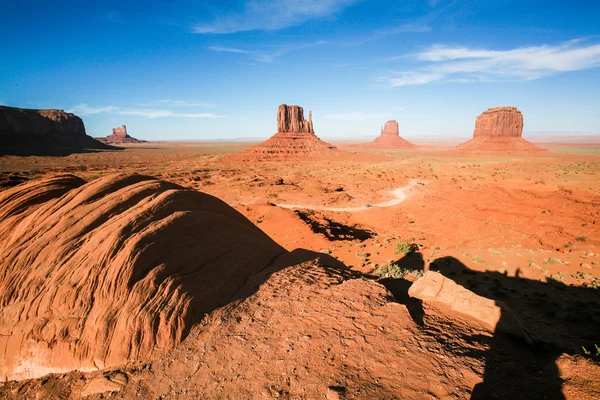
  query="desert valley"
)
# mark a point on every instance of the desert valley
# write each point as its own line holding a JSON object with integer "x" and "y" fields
{"x": 300, "y": 199}
{"x": 296, "y": 268}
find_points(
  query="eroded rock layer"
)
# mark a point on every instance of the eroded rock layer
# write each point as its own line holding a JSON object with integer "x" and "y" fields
{"x": 119, "y": 269}
{"x": 390, "y": 138}
{"x": 120, "y": 136}
{"x": 499, "y": 122}
{"x": 291, "y": 119}
{"x": 25, "y": 132}
{"x": 499, "y": 130}
{"x": 295, "y": 139}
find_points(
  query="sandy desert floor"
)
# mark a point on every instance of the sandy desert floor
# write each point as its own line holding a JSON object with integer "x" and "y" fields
{"x": 522, "y": 229}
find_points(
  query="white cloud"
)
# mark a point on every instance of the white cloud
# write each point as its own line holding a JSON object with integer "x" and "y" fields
{"x": 462, "y": 64}
{"x": 273, "y": 15}
{"x": 267, "y": 55}
{"x": 357, "y": 116}
{"x": 83, "y": 110}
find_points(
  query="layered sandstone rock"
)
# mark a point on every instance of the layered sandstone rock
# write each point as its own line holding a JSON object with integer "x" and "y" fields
{"x": 119, "y": 269}
{"x": 295, "y": 139}
{"x": 499, "y": 130}
{"x": 390, "y": 138}
{"x": 291, "y": 119}
{"x": 499, "y": 122}
{"x": 43, "y": 132}
{"x": 120, "y": 136}
{"x": 496, "y": 315}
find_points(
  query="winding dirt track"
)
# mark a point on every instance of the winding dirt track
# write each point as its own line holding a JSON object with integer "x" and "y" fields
{"x": 400, "y": 194}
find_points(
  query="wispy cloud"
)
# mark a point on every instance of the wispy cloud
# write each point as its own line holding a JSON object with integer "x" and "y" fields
{"x": 178, "y": 103}
{"x": 150, "y": 113}
{"x": 273, "y": 15}
{"x": 83, "y": 109}
{"x": 357, "y": 116}
{"x": 461, "y": 64}
{"x": 266, "y": 55}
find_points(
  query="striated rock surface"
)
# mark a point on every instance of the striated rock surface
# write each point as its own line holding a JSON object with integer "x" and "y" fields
{"x": 120, "y": 136}
{"x": 496, "y": 315}
{"x": 390, "y": 138}
{"x": 99, "y": 274}
{"x": 295, "y": 139}
{"x": 499, "y": 130}
{"x": 499, "y": 122}
{"x": 25, "y": 132}
{"x": 291, "y": 119}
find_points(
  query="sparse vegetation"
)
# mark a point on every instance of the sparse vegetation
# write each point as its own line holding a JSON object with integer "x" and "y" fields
{"x": 592, "y": 354}
{"x": 395, "y": 271}
{"x": 581, "y": 238}
{"x": 405, "y": 247}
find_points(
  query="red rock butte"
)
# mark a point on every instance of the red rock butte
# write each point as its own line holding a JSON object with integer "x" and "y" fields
{"x": 499, "y": 130}
{"x": 295, "y": 139}
{"x": 120, "y": 136}
{"x": 25, "y": 132}
{"x": 390, "y": 138}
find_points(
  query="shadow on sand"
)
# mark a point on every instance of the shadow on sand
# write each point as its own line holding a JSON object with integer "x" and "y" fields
{"x": 559, "y": 318}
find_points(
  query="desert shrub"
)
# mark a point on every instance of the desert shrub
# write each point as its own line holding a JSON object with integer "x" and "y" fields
{"x": 405, "y": 247}
{"x": 581, "y": 238}
{"x": 395, "y": 271}
{"x": 592, "y": 354}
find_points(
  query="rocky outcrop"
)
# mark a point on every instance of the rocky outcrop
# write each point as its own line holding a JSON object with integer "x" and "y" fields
{"x": 435, "y": 287}
{"x": 120, "y": 136}
{"x": 295, "y": 139}
{"x": 390, "y": 138}
{"x": 26, "y": 132}
{"x": 291, "y": 119}
{"x": 499, "y": 130}
{"x": 499, "y": 122}
{"x": 98, "y": 274}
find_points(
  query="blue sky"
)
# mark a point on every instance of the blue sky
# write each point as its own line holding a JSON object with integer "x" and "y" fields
{"x": 182, "y": 69}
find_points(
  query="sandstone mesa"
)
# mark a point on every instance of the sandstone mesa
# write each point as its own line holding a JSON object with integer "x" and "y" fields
{"x": 26, "y": 132}
{"x": 499, "y": 130}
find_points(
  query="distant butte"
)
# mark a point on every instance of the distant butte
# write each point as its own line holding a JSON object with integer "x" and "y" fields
{"x": 390, "y": 138}
{"x": 499, "y": 130}
{"x": 295, "y": 139}
{"x": 120, "y": 136}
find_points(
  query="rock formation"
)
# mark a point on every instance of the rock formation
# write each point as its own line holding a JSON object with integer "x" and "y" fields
{"x": 390, "y": 138}
{"x": 433, "y": 286}
{"x": 120, "y": 136}
{"x": 25, "y": 132}
{"x": 97, "y": 274}
{"x": 499, "y": 130}
{"x": 291, "y": 119}
{"x": 295, "y": 139}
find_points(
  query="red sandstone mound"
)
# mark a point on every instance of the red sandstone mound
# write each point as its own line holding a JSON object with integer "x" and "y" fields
{"x": 390, "y": 138}
{"x": 314, "y": 330}
{"x": 120, "y": 136}
{"x": 499, "y": 130}
{"x": 25, "y": 132}
{"x": 98, "y": 274}
{"x": 295, "y": 139}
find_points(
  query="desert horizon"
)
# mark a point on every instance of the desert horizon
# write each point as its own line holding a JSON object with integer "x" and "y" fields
{"x": 300, "y": 199}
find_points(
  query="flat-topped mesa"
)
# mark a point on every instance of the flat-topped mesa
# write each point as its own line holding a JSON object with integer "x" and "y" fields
{"x": 499, "y": 122}
{"x": 391, "y": 128}
{"x": 291, "y": 119}
{"x": 499, "y": 130}
{"x": 43, "y": 132}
